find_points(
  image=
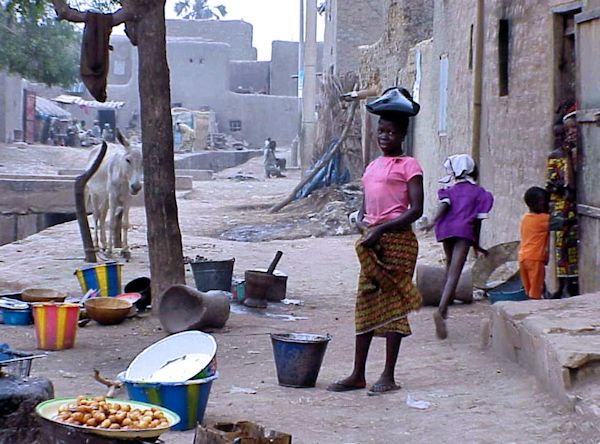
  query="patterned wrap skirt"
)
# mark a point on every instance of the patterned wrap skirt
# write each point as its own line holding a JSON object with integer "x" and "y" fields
{"x": 386, "y": 293}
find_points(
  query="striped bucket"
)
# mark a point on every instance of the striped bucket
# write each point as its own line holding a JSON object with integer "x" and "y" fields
{"x": 105, "y": 278}
{"x": 187, "y": 399}
{"x": 55, "y": 325}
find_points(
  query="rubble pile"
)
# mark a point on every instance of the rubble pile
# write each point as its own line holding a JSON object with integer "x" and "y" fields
{"x": 331, "y": 207}
{"x": 221, "y": 141}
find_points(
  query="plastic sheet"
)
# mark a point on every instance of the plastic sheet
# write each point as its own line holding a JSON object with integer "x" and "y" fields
{"x": 335, "y": 173}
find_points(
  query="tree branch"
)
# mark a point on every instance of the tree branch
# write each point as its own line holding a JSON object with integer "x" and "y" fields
{"x": 65, "y": 12}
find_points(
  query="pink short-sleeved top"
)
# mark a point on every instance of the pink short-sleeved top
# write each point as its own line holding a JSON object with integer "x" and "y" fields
{"x": 385, "y": 183}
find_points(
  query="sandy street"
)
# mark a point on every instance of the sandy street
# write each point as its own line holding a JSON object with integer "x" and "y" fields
{"x": 474, "y": 396}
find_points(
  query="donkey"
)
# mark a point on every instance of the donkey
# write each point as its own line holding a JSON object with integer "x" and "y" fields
{"x": 110, "y": 189}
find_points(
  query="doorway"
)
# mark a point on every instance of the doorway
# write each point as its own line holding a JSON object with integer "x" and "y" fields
{"x": 107, "y": 116}
{"x": 565, "y": 57}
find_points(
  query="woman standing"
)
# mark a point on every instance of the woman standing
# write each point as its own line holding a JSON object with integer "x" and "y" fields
{"x": 387, "y": 250}
{"x": 562, "y": 189}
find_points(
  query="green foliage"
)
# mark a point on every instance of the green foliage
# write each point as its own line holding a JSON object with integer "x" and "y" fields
{"x": 36, "y": 46}
{"x": 198, "y": 10}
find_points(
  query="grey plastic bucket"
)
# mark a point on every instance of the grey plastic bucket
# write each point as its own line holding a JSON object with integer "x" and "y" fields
{"x": 213, "y": 275}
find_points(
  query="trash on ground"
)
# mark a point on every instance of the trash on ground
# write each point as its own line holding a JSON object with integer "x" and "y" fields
{"x": 247, "y": 391}
{"x": 416, "y": 403}
{"x": 292, "y": 302}
{"x": 13, "y": 304}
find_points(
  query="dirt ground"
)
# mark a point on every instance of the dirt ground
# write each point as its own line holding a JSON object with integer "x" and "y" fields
{"x": 475, "y": 397}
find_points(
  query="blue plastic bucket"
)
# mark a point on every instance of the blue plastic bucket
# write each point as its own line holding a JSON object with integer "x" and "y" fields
{"x": 106, "y": 278}
{"x": 298, "y": 358}
{"x": 187, "y": 399}
{"x": 17, "y": 317}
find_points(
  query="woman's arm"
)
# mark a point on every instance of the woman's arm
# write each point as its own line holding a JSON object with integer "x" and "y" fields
{"x": 402, "y": 222}
{"x": 360, "y": 224}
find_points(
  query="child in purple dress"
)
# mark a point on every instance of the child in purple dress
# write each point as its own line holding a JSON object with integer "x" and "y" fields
{"x": 457, "y": 225}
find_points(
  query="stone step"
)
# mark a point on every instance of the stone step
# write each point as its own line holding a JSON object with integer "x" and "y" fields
{"x": 559, "y": 342}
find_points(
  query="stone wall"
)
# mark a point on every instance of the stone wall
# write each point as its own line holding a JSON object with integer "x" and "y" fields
{"x": 348, "y": 25}
{"x": 199, "y": 71}
{"x": 236, "y": 33}
{"x": 200, "y": 77}
{"x": 407, "y": 23}
{"x": 214, "y": 160}
{"x": 515, "y": 129}
{"x": 284, "y": 65}
{"x": 249, "y": 76}
{"x": 261, "y": 116}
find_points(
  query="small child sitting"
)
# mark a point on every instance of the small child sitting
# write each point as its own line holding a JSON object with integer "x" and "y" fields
{"x": 533, "y": 251}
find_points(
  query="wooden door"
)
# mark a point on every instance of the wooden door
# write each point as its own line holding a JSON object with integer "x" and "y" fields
{"x": 29, "y": 117}
{"x": 588, "y": 118}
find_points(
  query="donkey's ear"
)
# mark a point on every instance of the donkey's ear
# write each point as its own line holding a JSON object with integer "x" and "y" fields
{"x": 122, "y": 139}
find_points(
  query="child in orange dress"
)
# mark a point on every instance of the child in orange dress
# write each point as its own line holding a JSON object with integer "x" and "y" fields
{"x": 533, "y": 251}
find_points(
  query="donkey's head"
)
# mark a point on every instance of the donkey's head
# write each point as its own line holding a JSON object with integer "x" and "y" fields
{"x": 132, "y": 164}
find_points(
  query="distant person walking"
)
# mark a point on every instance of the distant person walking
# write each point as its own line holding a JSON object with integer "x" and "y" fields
{"x": 457, "y": 224}
{"x": 387, "y": 250}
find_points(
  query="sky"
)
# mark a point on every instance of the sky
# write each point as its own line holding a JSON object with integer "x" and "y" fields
{"x": 271, "y": 20}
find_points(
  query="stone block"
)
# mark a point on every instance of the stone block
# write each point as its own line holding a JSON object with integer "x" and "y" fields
{"x": 18, "y": 398}
{"x": 195, "y": 174}
{"x": 556, "y": 340}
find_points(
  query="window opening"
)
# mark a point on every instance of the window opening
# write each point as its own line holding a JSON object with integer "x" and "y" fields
{"x": 503, "y": 56}
{"x": 235, "y": 125}
{"x": 443, "y": 102}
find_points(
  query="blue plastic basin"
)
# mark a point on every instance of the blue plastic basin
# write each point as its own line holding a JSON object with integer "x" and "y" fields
{"x": 17, "y": 317}
{"x": 187, "y": 399}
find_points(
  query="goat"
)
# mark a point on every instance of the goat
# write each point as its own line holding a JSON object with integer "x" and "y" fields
{"x": 110, "y": 190}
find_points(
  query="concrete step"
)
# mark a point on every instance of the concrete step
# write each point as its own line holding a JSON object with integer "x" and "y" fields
{"x": 559, "y": 342}
{"x": 182, "y": 183}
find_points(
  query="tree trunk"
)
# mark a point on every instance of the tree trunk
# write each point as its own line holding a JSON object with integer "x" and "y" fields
{"x": 164, "y": 236}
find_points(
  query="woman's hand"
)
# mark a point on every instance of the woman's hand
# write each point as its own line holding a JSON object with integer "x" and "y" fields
{"x": 361, "y": 225}
{"x": 372, "y": 237}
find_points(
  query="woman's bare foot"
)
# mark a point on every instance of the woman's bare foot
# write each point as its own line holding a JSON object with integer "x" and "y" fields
{"x": 383, "y": 385}
{"x": 348, "y": 384}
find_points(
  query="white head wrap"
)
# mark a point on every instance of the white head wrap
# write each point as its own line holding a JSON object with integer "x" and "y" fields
{"x": 458, "y": 166}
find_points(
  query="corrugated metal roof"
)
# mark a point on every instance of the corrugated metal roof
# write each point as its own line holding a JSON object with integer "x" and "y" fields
{"x": 47, "y": 108}
{"x": 74, "y": 100}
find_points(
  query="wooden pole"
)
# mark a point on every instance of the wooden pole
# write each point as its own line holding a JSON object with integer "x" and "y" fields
{"x": 82, "y": 220}
{"x": 309, "y": 88}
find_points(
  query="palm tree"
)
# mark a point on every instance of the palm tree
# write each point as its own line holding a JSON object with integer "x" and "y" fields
{"x": 198, "y": 10}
